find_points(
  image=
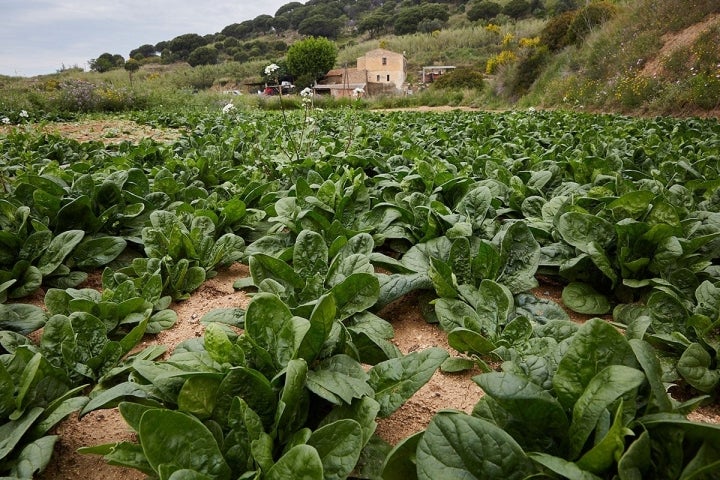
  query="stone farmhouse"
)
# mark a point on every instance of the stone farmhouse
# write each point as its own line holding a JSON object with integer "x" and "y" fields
{"x": 378, "y": 71}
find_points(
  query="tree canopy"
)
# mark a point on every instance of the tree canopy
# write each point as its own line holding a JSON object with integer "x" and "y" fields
{"x": 309, "y": 59}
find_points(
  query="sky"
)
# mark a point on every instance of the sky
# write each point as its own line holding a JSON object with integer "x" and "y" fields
{"x": 43, "y": 36}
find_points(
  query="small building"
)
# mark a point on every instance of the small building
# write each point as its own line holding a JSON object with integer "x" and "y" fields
{"x": 384, "y": 66}
{"x": 429, "y": 74}
{"x": 378, "y": 71}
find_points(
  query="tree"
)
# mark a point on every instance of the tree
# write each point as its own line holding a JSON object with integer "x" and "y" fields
{"x": 311, "y": 58}
{"x": 183, "y": 45}
{"x": 483, "y": 11}
{"x": 205, "y": 55}
{"x": 516, "y": 8}
{"x": 106, "y": 62}
{"x": 374, "y": 23}
{"x": 319, "y": 26}
{"x": 143, "y": 51}
{"x": 132, "y": 66}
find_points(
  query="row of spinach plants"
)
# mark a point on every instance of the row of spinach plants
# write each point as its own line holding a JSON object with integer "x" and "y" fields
{"x": 469, "y": 207}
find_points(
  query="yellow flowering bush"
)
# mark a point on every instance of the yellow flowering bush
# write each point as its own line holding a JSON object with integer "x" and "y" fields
{"x": 503, "y": 58}
{"x": 491, "y": 27}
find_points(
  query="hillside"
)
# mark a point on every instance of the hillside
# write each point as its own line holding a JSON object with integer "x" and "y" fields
{"x": 652, "y": 57}
{"x": 630, "y": 56}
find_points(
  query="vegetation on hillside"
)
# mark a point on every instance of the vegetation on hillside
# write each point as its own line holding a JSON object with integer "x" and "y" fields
{"x": 633, "y": 56}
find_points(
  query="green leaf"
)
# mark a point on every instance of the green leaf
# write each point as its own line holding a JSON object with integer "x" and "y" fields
{"x": 579, "y": 229}
{"x": 608, "y": 451}
{"x": 596, "y": 345}
{"x": 301, "y": 462}
{"x": 192, "y": 447}
{"x": 636, "y": 461}
{"x": 441, "y": 276}
{"x": 264, "y": 267}
{"x": 114, "y": 395}
{"x": 583, "y": 298}
{"x": 395, "y": 286}
{"x": 605, "y": 388}
{"x": 269, "y": 322}
{"x": 562, "y": 467}
{"x": 469, "y": 341}
{"x": 229, "y": 316}
{"x": 397, "y": 379}
{"x": 339, "y": 379}
{"x": 650, "y": 363}
{"x": 198, "y": 394}
{"x": 453, "y": 313}
{"x": 21, "y": 318}
{"x": 310, "y": 255}
{"x": 293, "y": 406}
{"x": 96, "y": 252}
{"x": 253, "y": 388}
{"x": 400, "y": 463}
{"x": 519, "y": 257}
{"x": 356, "y": 293}
{"x": 59, "y": 248}
{"x": 34, "y": 457}
{"x": 456, "y": 364}
{"x": 339, "y": 444}
{"x": 12, "y": 432}
{"x": 220, "y": 348}
{"x": 321, "y": 322}
{"x": 443, "y": 451}
{"x": 694, "y": 366}
{"x": 532, "y": 406}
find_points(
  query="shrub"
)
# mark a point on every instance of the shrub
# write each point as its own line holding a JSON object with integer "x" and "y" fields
{"x": 205, "y": 55}
{"x": 633, "y": 90}
{"x": 528, "y": 70}
{"x": 588, "y": 18}
{"x": 704, "y": 91}
{"x": 555, "y": 32}
{"x": 503, "y": 58}
{"x": 516, "y": 8}
{"x": 460, "y": 78}
{"x": 483, "y": 11}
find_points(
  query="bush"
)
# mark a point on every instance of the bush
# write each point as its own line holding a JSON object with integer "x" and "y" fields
{"x": 555, "y": 33}
{"x": 460, "y": 78}
{"x": 704, "y": 91}
{"x": 588, "y": 18}
{"x": 516, "y": 8}
{"x": 528, "y": 70}
{"x": 483, "y": 11}
{"x": 205, "y": 55}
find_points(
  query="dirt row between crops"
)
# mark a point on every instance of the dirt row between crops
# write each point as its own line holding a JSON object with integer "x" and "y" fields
{"x": 412, "y": 332}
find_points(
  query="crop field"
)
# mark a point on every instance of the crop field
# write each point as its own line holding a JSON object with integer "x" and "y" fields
{"x": 324, "y": 222}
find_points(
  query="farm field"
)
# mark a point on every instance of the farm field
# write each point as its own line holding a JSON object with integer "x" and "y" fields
{"x": 309, "y": 293}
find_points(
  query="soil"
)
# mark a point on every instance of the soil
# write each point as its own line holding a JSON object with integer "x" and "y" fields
{"x": 107, "y": 131}
{"x": 675, "y": 41}
{"x": 412, "y": 332}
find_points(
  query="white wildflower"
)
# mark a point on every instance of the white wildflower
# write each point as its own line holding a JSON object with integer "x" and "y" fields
{"x": 5, "y": 120}
{"x": 24, "y": 114}
{"x": 306, "y": 92}
{"x": 309, "y": 120}
{"x": 358, "y": 92}
{"x": 531, "y": 110}
{"x": 272, "y": 68}
{"x": 228, "y": 108}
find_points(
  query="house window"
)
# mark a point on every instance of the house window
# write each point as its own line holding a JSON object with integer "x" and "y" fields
{"x": 384, "y": 60}
{"x": 378, "y": 78}
{"x": 388, "y": 78}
